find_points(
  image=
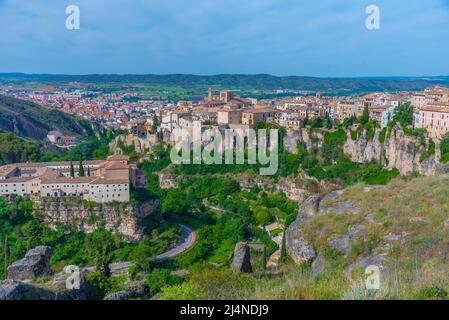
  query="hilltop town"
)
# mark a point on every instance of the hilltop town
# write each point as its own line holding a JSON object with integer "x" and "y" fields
{"x": 128, "y": 111}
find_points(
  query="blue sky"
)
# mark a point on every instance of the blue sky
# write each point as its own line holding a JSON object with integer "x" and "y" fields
{"x": 281, "y": 37}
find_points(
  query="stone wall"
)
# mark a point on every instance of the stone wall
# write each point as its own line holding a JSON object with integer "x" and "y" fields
{"x": 123, "y": 218}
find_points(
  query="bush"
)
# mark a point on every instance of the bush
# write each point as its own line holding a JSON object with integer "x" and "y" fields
{"x": 445, "y": 149}
{"x": 160, "y": 278}
{"x": 434, "y": 292}
{"x": 263, "y": 216}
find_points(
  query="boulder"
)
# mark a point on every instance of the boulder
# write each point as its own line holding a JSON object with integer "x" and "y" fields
{"x": 318, "y": 265}
{"x": 14, "y": 290}
{"x": 138, "y": 289}
{"x": 242, "y": 258}
{"x": 310, "y": 207}
{"x": 117, "y": 296}
{"x": 63, "y": 291}
{"x": 133, "y": 290}
{"x": 35, "y": 264}
{"x": 297, "y": 247}
{"x": 330, "y": 204}
{"x": 344, "y": 243}
{"x": 364, "y": 262}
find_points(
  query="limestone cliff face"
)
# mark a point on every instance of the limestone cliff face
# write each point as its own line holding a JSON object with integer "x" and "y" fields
{"x": 293, "y": 137}
{"x": 122, "y": 218}
{"x": 397, "y": 151}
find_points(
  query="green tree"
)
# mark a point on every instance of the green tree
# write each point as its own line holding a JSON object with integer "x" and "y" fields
{"x": 263, "y": 216}
{"x": 155, "y": 124}
{"x": 99, "y": 245}
{"x": 364, "y": 118}
{"x": 404, "y": 115}
{"x": 283, "y": 258}
{"x": 81, "y": 169}
{"x": 72, "y": 169}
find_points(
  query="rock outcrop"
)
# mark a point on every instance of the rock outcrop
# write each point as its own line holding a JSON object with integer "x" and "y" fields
{"x": 35, "y": 264}
{"x": 297, "y": 247}
{"x": 294, "y": 188}
{"x": 14, "y": 290}
{"x": 242, "y": 258}
{"x": 310, "y": 207}
{"x": 399, "y": 151}
{"x": 118, "y": 296}
{"x": 291, "y": 140}
{"x": 123, "y": 218}
{"x": 133, "y": 290}
{"x": 168, "y": 181}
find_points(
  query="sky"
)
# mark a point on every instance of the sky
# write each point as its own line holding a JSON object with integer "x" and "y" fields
{"x": 324, "y": 38}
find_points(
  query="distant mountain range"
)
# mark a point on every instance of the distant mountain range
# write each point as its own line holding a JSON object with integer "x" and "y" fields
{"x": 33, "y": 121}
{"x": 259, "y": 81}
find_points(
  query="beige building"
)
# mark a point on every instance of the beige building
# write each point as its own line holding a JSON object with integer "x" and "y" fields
{"x": 346, "y": 110}
{"x": 435, "y": 119}
{"x": 229, "y": 116}
{"x": 253, "y": 116}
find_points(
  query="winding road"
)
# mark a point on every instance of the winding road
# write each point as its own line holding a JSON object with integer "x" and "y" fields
{"x": 188, "y": 240}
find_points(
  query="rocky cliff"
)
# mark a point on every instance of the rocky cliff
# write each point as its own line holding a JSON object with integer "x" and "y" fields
{"x": 126, "y": 219}
{"x": 398, "y": 150}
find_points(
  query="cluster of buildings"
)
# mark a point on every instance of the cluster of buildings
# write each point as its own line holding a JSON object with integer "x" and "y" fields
{"x": 225, "y": 108}
{"x": 104, "y": 181}
{"x": 432, "y": 111}
{"x": 113, "y": 110}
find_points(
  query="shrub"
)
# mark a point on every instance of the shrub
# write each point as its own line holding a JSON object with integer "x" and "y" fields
{"x": 434, "y": 292}
{"x": 160, "y": 278}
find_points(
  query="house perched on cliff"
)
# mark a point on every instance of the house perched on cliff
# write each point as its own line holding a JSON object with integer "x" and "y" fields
{"x": 105, "y": 181}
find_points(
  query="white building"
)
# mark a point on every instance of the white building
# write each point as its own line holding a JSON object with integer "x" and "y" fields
{"x": 109, "y": 180}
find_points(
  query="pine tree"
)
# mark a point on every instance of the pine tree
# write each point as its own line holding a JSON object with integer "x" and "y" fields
{"x": 365, "y": 115}
{"x": 283, "y": 258}
{"x": 72, "y": 169}
{"x": 81, "y": 169}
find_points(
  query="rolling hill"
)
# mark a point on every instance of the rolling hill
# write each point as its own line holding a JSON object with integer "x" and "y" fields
{"x": 257, "y": 81}
{"x": 32, "y": 121}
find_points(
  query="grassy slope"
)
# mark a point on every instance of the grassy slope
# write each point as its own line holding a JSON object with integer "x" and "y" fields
{"x": 404, "y": 220}
{"x": 418, "y": 259}
{"x": 30, "y": 120}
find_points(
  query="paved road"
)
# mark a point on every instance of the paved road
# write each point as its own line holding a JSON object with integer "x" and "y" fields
{"x": 188, "y": 239}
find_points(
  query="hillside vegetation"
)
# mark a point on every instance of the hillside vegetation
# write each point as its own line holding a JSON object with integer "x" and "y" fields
{"x": 259, "y": 81}
{"x": 32, "y": 121}
{"x": 404, "y": 227}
